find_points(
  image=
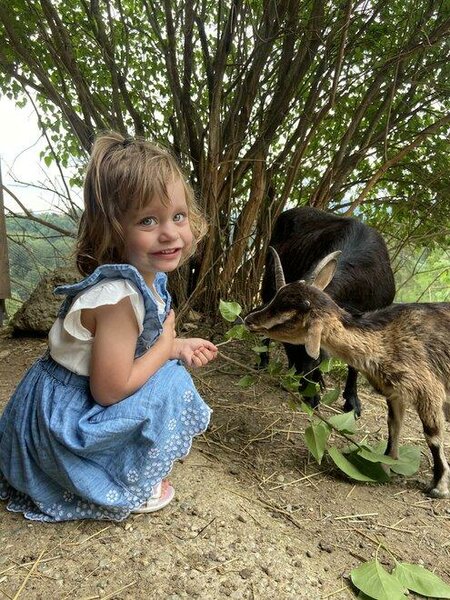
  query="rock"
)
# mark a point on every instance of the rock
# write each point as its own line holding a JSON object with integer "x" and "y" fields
{"x": 325, "y": 547}
{"x": 38, "y": 313}
{"x": 245, "y": 573}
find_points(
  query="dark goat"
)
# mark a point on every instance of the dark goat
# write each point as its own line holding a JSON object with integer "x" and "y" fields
{"x": 404, "y": 351}
{"x": 363, "y": 280}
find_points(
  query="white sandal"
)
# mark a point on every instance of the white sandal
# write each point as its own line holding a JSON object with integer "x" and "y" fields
{"x": 158, "y": 500}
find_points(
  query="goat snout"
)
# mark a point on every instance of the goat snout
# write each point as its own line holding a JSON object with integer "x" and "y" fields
{"x": 251, "y": 323}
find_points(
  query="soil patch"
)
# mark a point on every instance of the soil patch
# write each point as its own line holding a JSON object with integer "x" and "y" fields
{"x": 254, "y": 516}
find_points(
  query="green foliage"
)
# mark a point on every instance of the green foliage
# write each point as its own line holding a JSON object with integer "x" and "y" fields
{"x": 267, "y": 105}
{"x": 33, "y": 250}
{"x": 229, "y": 310}
{"x": 358, "y": 461}
{"x": 376, "y": 583}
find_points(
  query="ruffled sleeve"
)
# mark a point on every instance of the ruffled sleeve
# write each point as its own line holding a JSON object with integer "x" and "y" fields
{"x": 106, "y": 292}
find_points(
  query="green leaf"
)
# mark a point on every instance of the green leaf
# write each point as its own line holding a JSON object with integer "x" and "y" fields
{"x": 376, "y": 582}
{"x": 257, "y": 349}
{"x": 48, "y": 160}
{"x": 344, "y": 422}
{"x": 408, "y": 461}
{"x": 376, "y": 457}
{"x": 330, "y": 397}
{"x": 306, "y": 408}
{"x": 347, "y": 467}
{"x": 246, "y": 381}
{"x": 310, "y": 390}
{"x": 275, "y": 367}
{"x": 316, "y": 437}
{"x": 418, "y": 579}
{"x": 229, "y": 310}
{"x": 326, "y": 365}
{"x": 374, "y": 470}
{"x": 238, "y": 332}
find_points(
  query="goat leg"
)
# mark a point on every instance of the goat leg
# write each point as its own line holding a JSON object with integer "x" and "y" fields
{"x": 433, "y": 429}
{"x": 396, "y": 412}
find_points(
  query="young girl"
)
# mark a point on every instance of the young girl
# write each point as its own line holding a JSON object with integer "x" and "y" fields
{"x": 95, "y": 425}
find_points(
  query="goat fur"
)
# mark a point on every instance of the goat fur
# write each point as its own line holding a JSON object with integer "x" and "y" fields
{"x": 363, "y": 280}
{"x": 403, "y": 349}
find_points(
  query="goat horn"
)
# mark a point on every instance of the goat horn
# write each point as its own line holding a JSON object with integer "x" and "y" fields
{"x": 279, "y": 275}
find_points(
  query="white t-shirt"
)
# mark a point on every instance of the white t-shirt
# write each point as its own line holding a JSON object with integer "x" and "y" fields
{"x": 70, "y": 343}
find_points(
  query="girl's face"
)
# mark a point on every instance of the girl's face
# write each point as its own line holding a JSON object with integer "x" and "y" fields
{"x": 158, "y": 236}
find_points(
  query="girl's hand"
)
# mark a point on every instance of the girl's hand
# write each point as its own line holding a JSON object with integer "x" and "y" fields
{"x": 194, "y": 352}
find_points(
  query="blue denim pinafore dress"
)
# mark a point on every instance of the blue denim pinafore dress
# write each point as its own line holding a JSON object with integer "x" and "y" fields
{"x": 65, "y": 457}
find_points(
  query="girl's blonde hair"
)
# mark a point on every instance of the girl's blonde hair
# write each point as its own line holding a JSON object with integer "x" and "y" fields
{"x": 124, "y": 175}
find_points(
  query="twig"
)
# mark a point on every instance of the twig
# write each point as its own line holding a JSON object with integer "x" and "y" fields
{"x": 356, "y": 516}
{"x": 295, "y": 481}
{"x": 119, "y": 590}
{"x": 28, "y": 575}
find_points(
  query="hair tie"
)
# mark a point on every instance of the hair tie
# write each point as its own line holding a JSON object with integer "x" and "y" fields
{"x": 127, "y": 141}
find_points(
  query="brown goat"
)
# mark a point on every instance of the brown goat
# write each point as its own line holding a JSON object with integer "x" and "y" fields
{"x": 404, "y": 351}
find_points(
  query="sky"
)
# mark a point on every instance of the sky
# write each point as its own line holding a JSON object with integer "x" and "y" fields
{"x": 20, "y": 145}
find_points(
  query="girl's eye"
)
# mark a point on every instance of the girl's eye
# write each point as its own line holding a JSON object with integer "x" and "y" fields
{"x": 148, "y": 221}
{"x": 180, "y": 217}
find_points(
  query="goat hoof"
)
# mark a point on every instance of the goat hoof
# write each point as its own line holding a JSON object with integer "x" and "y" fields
{"x": 313, "y": 401}
{"x": 349, "y": 406}
{"x": 436, "y": 493}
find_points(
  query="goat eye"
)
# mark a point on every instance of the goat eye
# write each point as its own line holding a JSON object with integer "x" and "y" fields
{"x": 306, "y": 304}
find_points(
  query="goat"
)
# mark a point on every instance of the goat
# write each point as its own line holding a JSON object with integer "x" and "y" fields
{"x": 363, "y": 280}
{"x": 404, "y": 350}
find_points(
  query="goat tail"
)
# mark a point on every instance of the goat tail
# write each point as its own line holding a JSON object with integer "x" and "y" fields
{"x": 446, "y": 408}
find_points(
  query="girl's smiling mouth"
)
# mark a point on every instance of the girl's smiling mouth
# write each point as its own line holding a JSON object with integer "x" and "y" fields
{"x": 170, "y": 252}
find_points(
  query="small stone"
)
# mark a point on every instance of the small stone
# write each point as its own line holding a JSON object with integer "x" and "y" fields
{"x": 213, "y": 555}
{"x": 280, "y": 478}
{"x": 325, "y": 547}
{"x": 291, "y": 551}
{"x": 242, "y": 519}
{"x": 309, "y": 554}
{"x": 245, "y": 573}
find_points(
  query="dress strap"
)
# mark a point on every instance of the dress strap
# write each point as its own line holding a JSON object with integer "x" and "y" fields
{"x": 115, "y": 271}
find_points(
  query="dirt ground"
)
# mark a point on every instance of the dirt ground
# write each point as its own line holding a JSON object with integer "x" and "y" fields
{"x": 254, "y": 516}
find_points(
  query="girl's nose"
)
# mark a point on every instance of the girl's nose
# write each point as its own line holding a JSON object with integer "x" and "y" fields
{"x": 168, "y": 231}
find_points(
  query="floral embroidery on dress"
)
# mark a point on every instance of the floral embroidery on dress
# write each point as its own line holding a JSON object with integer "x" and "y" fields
{"x": 132, "y": 476}
{"x": 112, "y": 496}
{"x": 188, "y": 396}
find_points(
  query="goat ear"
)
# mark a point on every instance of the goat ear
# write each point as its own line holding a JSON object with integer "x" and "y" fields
{"x": 313, "y": 339}
{"x": 324, "y": 270}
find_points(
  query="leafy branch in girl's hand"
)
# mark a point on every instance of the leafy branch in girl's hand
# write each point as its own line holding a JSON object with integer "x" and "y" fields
{"x": 357, "y": 460}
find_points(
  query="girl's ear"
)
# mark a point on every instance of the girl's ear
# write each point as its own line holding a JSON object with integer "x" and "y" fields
{"x": 313, "y": 339}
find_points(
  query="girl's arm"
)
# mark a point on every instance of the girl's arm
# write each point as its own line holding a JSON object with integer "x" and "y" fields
{"x": 114, "y": 372}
